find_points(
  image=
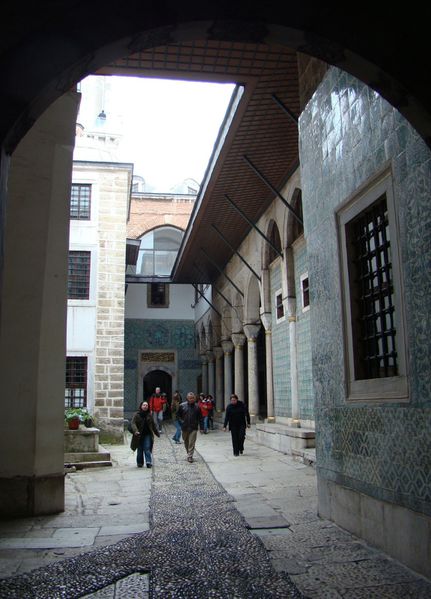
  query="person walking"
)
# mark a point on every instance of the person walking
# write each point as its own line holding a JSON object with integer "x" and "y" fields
{"x": 189, "y": 415}
{"x": 238, "y": 418}
{"x": 176, "y": 401}
{"x": 157, "y": 403}
{"x": 144, "y": 429}
{"x": 205, "y": 408}
{"x": 211, "y": 412}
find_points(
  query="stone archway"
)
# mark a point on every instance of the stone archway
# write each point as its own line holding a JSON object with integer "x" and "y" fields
{"x": 30, "y": 86}
{"x": 368, "y": 48}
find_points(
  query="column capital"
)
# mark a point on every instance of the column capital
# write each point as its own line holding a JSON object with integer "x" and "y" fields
{"x": 266, "y": 318}
{"x": 218, "y": 352}
{"x": 238, "y": 339}
{"x": 204, "y": 358}
{"x": 227, "y": 346}
{"x": 252, "y": 331}
{"x": 210, "y": 356}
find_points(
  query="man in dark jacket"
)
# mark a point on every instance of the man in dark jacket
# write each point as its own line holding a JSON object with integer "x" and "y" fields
{"x": 238, "y": 418}
{"x": 189, "y": 415}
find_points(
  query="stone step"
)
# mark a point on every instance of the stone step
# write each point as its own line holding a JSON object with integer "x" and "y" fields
{"x": 86, "y": 464}
{"x": 88, "y": 459}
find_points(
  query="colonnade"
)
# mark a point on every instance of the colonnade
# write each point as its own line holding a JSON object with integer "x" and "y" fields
{"x": 224, "y": 373}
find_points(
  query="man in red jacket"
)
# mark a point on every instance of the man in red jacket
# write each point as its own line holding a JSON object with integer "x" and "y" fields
{"x": 157, "y": 403}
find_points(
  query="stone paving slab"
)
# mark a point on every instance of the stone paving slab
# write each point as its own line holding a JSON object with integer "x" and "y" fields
{"x": 70, "y": 537}
{"x": 127, "y": 529}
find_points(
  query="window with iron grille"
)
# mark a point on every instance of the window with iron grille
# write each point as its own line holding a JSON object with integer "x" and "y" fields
{"x": 78, "y": 285}
{"x": 372, "y": 295}
{"x": 80, "y": 201}
{"x": 372, "y": 291}
{"x": 76, "y": 382}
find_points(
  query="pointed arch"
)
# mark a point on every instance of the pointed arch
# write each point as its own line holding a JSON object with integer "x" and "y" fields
{"x": 273, "y": 235}
{"x": 294, "y": 229}
{"x": 252, "y": 302}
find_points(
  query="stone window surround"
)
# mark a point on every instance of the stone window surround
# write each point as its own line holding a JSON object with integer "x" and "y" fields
{"x": 390, "y": 389}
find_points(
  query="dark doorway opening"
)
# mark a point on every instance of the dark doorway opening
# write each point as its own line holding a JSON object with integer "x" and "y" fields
{"x": 261, "y": 364}
{"x": 158, "y": 378}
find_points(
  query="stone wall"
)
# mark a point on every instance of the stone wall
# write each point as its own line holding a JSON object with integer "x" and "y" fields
{"x": 109, "y": 360}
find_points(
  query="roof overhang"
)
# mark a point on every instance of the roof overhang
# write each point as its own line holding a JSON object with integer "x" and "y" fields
{"x": 256, "y": 127}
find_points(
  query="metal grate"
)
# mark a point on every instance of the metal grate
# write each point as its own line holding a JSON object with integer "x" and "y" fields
{"x": 80, "y": 197}
{"x": 372, "y": 293}
{"x": 76, "y": 382}
{"x": 78, "y": 284}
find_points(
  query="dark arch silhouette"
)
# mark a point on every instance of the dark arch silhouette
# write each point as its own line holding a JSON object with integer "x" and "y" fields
{"x": 45, "y": 54}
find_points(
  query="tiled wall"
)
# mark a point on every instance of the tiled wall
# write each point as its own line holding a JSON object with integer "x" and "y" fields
{"x": 303, "y": 341}
{"x": 164, "y": 335}
{"x": 280, "y": 353}
{"x": 347, "y": 134}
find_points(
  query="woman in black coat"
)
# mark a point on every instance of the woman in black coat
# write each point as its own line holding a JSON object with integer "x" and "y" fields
{"x": 238, "y": 418}
{"x": 144, "y": 429}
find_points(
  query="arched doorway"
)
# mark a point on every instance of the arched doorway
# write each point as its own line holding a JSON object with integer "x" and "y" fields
{"x": 158, "y": 378}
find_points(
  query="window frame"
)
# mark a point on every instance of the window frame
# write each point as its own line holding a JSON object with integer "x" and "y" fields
{"x": 302, "y": 278}
{"x": 88, "y": 279}
{"x": 385, "y": 389}
{"x": 81, "y": 185}
{"x": 279, "y": 294}
{"x": 150, "y": 304}
{"x": 84, "y": 360}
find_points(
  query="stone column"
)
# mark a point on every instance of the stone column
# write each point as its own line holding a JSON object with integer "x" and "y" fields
{"x": 238, "y": 341}
{"x": 204, "y": 360}
{"x": 211, "y": 373}
{"x": 218, "y": 351}
{"x": 34, "y": 308}
{"x": 227, "y": 346}
{"x": 267, "y": 323}
{"x": 251, "y": 331}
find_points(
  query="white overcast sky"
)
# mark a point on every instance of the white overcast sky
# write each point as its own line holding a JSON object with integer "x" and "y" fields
{"x": 168, "y": 127}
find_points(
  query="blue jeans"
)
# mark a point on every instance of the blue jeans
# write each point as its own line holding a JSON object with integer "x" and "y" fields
{"x": 205, "y": 423}
{"x": 177, "y": 435}
{"x": 144, "y": 447}
{"x": 158, "y": 419}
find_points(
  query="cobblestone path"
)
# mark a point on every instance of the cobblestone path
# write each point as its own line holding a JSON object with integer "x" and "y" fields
{"x": 198, "y": 547}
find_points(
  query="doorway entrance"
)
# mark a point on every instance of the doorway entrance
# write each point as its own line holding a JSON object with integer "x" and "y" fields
{"x": 158, "y": 378}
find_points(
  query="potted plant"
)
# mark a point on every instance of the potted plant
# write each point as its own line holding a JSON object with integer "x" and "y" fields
{"x": 76, "y": 416}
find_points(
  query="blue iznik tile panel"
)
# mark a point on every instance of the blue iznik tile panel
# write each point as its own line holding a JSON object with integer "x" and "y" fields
{"x": 303, "y": 341}
{"x": 280, "y": 353}
{"x": 348, "y": 133}
{"x": 159, "y": 335}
